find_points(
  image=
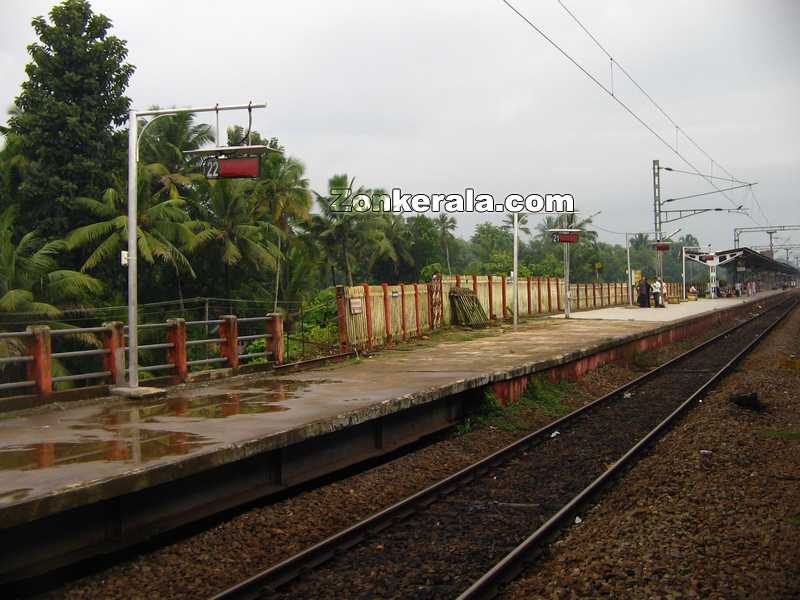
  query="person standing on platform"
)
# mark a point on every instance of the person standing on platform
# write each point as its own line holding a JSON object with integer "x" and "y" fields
{"x": 644, "y": 293}
{"x": 656, "y": 293}
{"x": 664, "y": 294}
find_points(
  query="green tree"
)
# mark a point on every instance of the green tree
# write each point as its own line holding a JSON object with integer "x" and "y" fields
{"x": 445, "y": 224}
{"x": 167, "y": 139}
{"x": 70, "y": 109}
{"x": 32, "y": 282}
{"x": 522, "y": 223}
{"x": 282, "y": 195}
{"x": 231, "y": 228}
{"x": 162, "y": 230}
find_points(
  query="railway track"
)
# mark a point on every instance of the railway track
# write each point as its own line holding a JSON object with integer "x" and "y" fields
{"x": 467, "y": 535}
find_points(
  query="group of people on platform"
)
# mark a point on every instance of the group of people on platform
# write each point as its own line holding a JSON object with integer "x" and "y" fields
{"x": 657, "y": 289}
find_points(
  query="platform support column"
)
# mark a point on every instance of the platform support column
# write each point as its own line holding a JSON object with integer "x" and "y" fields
{"x": 177, "y": 355}
{"x": 275, "y": 337}
{"x": 40, "y": 369}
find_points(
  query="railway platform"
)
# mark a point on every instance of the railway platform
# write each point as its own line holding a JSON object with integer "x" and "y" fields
{"x": 95, "y": 476}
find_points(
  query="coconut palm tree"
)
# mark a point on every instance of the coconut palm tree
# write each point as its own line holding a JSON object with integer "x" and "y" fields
{"x": 445, "y": 224}
{"x": 230, "y": 224}
{"x": 640, "y": 241}
{"x": 162, "y": 223}
{"x": 31, "y": 281}
{"x": 339, "y": 233}
{"x": 282, "y": 195}
{"x": 565, "y": 221}
{"x": 522, "y": 223}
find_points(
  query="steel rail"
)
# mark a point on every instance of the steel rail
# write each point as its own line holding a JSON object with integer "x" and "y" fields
{"x": 514, "y": 562}
{"x": 306, "y": 560}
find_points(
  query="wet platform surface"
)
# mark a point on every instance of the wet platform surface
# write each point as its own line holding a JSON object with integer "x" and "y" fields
{"x": 80, "y": 450}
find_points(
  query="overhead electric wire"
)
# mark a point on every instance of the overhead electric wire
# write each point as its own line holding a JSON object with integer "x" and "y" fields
{"x": 737, "y": 187}
{"x": 728, "y": 179}
{"x": 620, "y": 102}
{"x": 641, "y": 89}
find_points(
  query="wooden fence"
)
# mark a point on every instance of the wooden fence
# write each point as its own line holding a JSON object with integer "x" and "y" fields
{"x": 375, "y": 315}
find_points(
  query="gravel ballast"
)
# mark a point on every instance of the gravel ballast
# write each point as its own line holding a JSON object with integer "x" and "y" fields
{"x": 221, "y": 556}
{"x": 709, "y": 513}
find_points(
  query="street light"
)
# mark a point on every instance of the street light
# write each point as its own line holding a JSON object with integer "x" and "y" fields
{"x": 133, "y": 214}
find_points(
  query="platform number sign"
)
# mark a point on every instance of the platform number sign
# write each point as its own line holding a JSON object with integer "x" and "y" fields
{"x": 215, "y": 167}
{"x": 211, "y": 167}
{"x": 565, "y": 237}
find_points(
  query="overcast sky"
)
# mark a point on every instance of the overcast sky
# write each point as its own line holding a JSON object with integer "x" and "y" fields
{"x": 434, "y": 97}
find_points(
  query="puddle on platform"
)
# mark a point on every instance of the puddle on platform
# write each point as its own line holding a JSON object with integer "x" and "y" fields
{"x": 14, "y": 495}
{"x": 135, "y": 446}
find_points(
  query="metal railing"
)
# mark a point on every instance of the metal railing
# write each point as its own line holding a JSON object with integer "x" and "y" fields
{"x": 34, "y": 372}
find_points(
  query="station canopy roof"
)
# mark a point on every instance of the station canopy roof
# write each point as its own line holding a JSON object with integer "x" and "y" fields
{"x": 756, "y": 261}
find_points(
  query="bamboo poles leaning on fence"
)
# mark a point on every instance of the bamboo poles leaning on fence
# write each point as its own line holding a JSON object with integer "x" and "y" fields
{"x": 466, "y": 308}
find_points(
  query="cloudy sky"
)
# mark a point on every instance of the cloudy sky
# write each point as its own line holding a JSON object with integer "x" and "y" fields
{"x": 437, "y": 97}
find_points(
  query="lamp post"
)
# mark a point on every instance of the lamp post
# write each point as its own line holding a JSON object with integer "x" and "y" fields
{"x": 515, "y": 274}
{"x": 133, "y": 213}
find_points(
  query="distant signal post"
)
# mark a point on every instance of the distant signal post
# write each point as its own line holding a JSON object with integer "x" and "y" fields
{"x": 566, "y": 237}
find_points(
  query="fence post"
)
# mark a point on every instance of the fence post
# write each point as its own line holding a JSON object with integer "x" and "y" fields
{"x": 416, "y": 307}
{"x": 538, "y": 295}
{"x": 368, "y": 313}
{"x": 387, "y": 315}
{"x": 594, "y": 294}
{"x": 114, "y": 360}
{"x": 549, "y": 297}
{"x": 529, "y": 295}
{"x": 177, "y": 355}
{"x": 341, "y": 317}
{"x": 430, "y": 307}
{"x": 40, "y": 369}
{"x": 491, "y": 294}
{"x": 577, "y": 296}
{"x": 229, "y": 331}
{"x": 275, "y": 337}
{"x": 458, "y": 280}
{"x": 503, "y": 294}
{"x": 475, "y": 283}
{"x": 403, "y": 309}
{"x": 558, "y": 294}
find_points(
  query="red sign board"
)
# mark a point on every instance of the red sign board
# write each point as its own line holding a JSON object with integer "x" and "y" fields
{"x": 661, "y": 247}
{"x": 231, "y": 168}
{"x": 567, "y": 238}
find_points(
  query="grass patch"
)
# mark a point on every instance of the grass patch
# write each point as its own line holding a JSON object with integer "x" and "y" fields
{"x": 541, "y": 396}
{"x": 795, "y": 520}
{"x": 786, "y": 435}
